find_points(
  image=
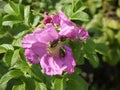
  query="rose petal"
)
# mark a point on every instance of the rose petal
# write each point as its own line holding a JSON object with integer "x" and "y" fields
{"x": 69, "y": 61}
{"x": 51, "y": 65}
{"x": 82, "y": 34}
{"x": 31, "y": 56}
{"x": 39, "y": 48}
{"x": 67, "y": 27}
{"x": 56, "y": 65}
{"x": 28, "y": 40}
{"x": 47, "y": 35}
{"x": 55, "y": 19}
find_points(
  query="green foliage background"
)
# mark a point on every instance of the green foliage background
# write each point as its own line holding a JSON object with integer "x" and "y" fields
{"x": 96, "y": 56}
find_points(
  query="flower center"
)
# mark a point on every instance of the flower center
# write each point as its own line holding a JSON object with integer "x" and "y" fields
{"x": 55, "y": 47}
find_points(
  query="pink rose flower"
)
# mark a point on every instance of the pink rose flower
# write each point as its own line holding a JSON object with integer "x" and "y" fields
{"x": 46, "y": 46}
{"x": 68, "y": 28}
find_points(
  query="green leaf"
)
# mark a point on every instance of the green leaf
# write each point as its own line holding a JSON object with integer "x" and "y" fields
{"x": 75, "y": 82}
{"x": 18, "y": 38}
{"x": 8, "y": 76}
{"x": 2, "y": 4}
{"x": 29, "y": 84}
{"x": 101, "y": 48}
{"x": 13, "y": 16}
{"x": 15, "y": 57}
{"x": 15, "y": 7}
{"x": 19, "y": 85}
{"x": 3, "y": 69}
{"x": 17, "y": 42}
{"x": 23, "y": 66}
{"x": 81, "y": 8}
{"x": 2, "y": 50}
{"x": 89, "y": 46}
{"x": 67, "y": 10}
{"x": 9, "y": 10}
{"x": 10, "y": 23}
{"x": 93, "y": 59}
{"x": 59, "y": 84}
{"x": 95, "y": 24}
{"x": 17, "y": 30}
{"x": 10, "y": 20}
{"x": 36, "y": 72}
{"x": 111, "y": 23}
{"x": 21, "y": 34}
{"x": 22, "y": 56}
{"x": 90, "y": 54}
{"x": 36, "y": 21}
{"x": 113, "y": 56}
{"x": 80, "y": 15}
{"x": 110, "y": 33}
{"x": 11, "y": 57}
{"x": 118, "y": 12}
{"x": 26, "y": 15}
{"x": 40, "y": 86}
{"x": 12, "y": 8}
{"x": 78, "y": 5}
{"x": 8, "y": 57}
{"x": 79, "y": 55}
{"x": 7, "y": 46}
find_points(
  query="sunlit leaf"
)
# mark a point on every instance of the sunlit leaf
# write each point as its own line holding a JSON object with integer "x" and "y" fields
{"x": 78, "y": 5}
{"x": 15, "y": 7}
{"x": 59, "y": 84}
{"x": 36, "y": 21}
{"x": 67, "y": 10}
{"x": 12, "y": 8}
{"x": 40, "y": 86}
{"x": 118, "y": 12}
{"x": 8, "y": 57}
{"x": 80, "y": 15}
{"x": 26, "y": 15}
{"x": 2, "y": 49}
{"x": 19, "y": 86}
{"x": 15, "y": 57}
{"x": 8, "y": 76}
{"x": 17, "y": 42}
{"x": 7, "y": 46}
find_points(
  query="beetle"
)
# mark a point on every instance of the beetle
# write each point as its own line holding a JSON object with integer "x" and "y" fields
{"x": 62, "y": 39}
{"x": 62, "y": 52}
{"x": 54, "y": 43}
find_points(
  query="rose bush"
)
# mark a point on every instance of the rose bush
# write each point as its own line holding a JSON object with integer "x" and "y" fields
{"x": 59, "y": 45}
